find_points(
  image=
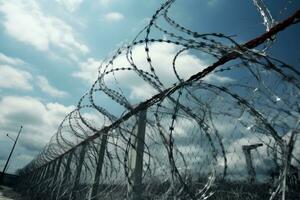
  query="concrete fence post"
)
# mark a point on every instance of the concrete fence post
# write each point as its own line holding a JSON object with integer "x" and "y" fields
{"x": 68, "y": 167}
{"x": 57, "y": 169}
{"x": 52, "y": 170}
{"x": 56, "y": 174}
{"x": 247, "y": 152}
{"x": 41, "y": 175}
{"x": 78, "y": 171}
{"x": 35, "y": 176}
{"x": 136, "y": 159}
{"x": 66, "y": 173}
{"x": 101, "y": 155}
{"x": 46, "y": 172}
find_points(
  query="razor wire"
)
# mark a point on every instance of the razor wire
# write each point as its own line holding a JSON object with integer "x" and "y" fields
{"x": 229, "y": 131}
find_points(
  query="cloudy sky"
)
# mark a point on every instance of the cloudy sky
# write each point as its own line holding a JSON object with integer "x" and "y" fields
{"x": 50, "y": 52}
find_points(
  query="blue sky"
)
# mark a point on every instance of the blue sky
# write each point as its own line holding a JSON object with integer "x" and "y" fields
{"x": 50, "y": 52}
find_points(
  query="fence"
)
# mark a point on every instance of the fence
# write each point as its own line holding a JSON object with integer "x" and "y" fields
{"x": 227, "y": 132}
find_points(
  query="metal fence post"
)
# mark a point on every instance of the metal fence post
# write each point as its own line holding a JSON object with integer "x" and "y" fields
{"x": 67, "y": 169}
{"x": 99, "y": 165}
{"x": 46, "y": 172}
{"x": 247, "y": 151}
{"x": 56, "y": 174}
{"x": 136, "y": 160}
{"x": 78, "y": 171}
{"x": 57, "y": 169}
{"x": 52, "y": 169}
{"x": 41, "y": 174}
{"x": 66, "y": 173}
{"x": 34, "y": 177}
{"x": 31, "y": 179}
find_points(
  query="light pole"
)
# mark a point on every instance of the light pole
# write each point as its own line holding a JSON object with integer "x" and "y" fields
{"x": 10, "y": 137}
{"x": 15, "y": 142}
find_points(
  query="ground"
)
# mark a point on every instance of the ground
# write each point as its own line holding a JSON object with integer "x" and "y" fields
{"x": 6, "y": 193}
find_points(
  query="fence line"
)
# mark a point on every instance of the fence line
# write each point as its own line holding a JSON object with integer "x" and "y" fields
{"x": 132, "y": 157}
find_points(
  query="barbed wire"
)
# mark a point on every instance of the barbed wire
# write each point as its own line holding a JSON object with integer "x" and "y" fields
{"x": 197, "y": 125}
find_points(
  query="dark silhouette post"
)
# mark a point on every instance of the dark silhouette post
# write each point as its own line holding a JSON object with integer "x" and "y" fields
{"x": 57, "y": 169}
{"x": 78, "y": 172}
{"x": 54, "y": 184}
{"x": 101, "y": 155}
{"x": 66, "y": 174}
{"x": 247, "y": 151}
{"x": 6, "y": 164}
{"x": 43, "y": 174}
{"x": 136, "y": 159}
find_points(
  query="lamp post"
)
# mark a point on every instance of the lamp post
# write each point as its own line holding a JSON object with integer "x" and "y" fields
{"x": 6, "y": 164}
{"x": 10, "y": 137}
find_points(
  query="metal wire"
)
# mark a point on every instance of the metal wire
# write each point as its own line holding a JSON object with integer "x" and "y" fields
{"x": 196, "y": 127}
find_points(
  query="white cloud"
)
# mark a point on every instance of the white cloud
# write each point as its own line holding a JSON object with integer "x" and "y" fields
{"x": 14, "y": 78}
{"x": 10, "y": 60}
{"x": 25, "y": 21}
{"x": 70, "y": 5}
{"x": 38, "y": 118}
{"x": 106, "y": 2}
{"x": 45, "y": 86}
{"x": 213, "y": 78}
{"x": 88, "y": 70}
{"x": 142, "y": 91}
{"x": 113, "y": 17}
{"x": 40, "y": 121}
{"x": 162, "y": 56}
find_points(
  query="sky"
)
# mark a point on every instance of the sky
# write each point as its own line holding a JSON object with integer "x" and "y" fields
{"x": 50, "y": 52}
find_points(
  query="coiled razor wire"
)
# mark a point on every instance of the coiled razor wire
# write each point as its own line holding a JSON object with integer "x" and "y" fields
{"x": 229, "y": 131}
